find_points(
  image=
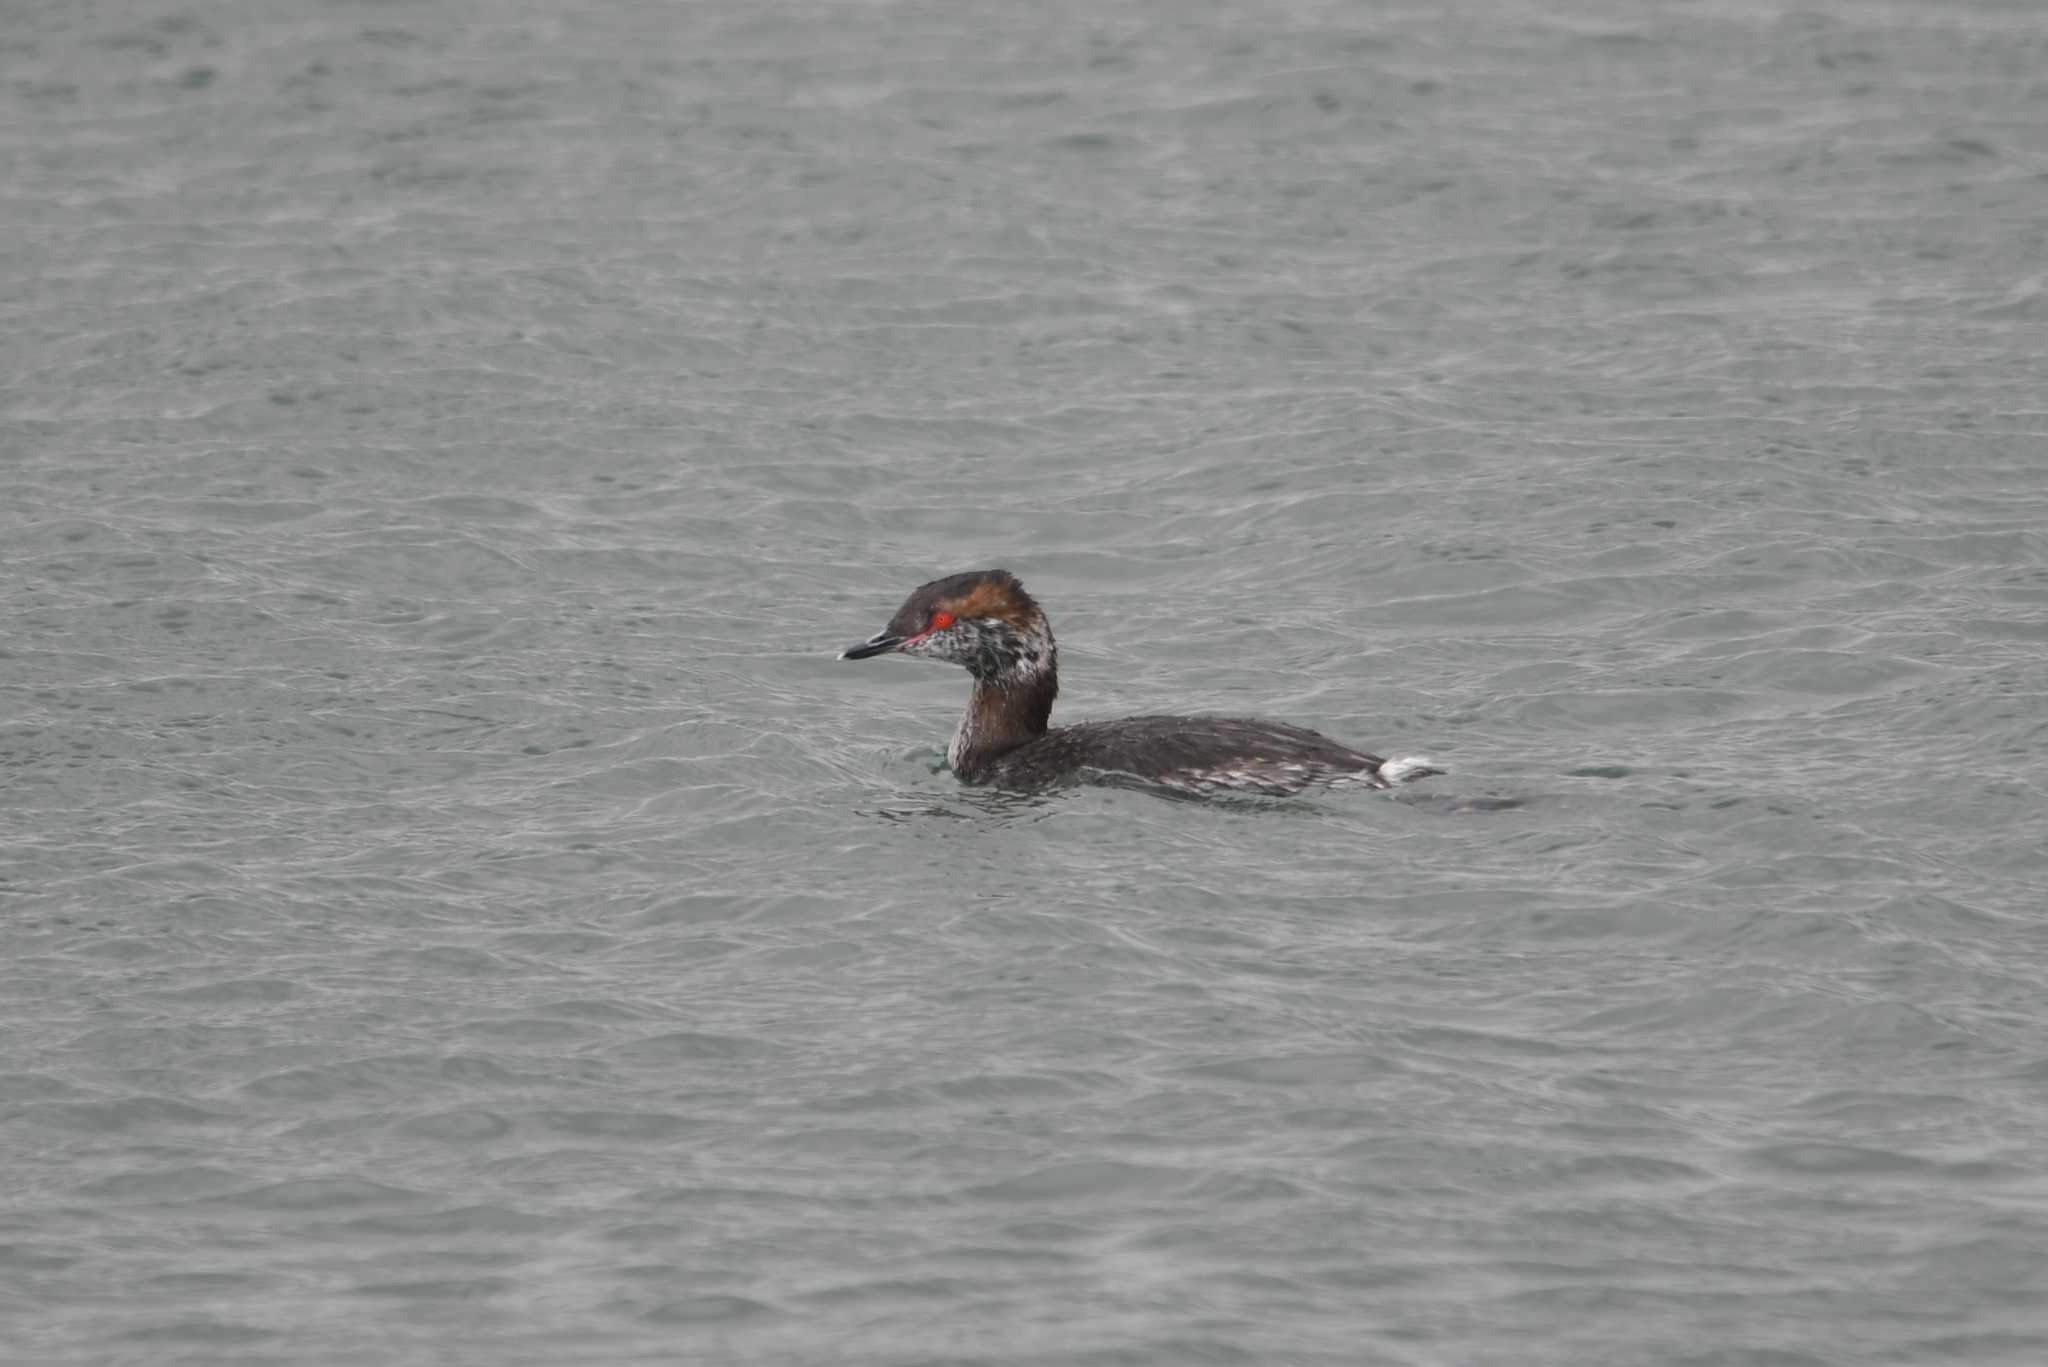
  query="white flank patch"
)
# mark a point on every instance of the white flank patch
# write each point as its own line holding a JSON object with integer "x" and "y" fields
{"x": 1398, "y": 770}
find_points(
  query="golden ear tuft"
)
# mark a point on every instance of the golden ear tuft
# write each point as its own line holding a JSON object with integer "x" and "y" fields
{"x": 986, "y": 599}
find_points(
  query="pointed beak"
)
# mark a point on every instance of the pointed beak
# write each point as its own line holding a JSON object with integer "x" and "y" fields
{"x": 879, "y": 644}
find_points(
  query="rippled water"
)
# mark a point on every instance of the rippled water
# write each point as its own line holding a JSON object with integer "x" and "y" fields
{"x": 456, "y": 909}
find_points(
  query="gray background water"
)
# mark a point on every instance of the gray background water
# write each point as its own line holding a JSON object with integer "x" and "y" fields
{"x": 455, "y": 909}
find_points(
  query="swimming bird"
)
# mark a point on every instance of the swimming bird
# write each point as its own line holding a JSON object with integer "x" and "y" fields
{"x": 986, "y": 623}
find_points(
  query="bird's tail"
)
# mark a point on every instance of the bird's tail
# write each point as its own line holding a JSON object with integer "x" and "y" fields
{"x": 1406, "y": 769}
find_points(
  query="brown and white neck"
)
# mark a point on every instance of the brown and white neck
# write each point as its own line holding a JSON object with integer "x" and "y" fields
{"x": 1015, "y": 682}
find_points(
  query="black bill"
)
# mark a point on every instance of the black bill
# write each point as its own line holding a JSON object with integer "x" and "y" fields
{"x": 873, "y": 645}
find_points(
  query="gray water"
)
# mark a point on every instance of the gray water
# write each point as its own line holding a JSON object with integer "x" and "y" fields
{"x": 456, "y": 910}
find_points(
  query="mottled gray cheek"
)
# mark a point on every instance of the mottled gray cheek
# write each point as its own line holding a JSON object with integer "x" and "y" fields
{"x": 998, "y": 651}
{"x": 940, "y": 645}
{"x": 989, "y": 649}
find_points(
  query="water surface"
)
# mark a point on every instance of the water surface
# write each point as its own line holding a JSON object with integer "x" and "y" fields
{"x": 454, "y": 909}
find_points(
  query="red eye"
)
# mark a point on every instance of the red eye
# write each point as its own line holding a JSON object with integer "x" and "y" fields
{"x": 940, "y": 621}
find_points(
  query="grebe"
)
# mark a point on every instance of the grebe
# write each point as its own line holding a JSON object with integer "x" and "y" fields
{"x": 985, "y": 621}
